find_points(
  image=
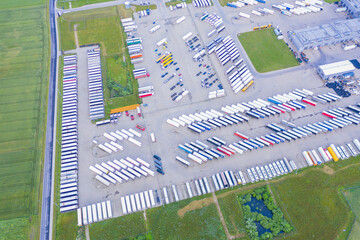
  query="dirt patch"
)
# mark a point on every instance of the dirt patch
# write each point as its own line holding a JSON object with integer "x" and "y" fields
{"x": 198, "y": 204}
{"x": 328, "y": 170}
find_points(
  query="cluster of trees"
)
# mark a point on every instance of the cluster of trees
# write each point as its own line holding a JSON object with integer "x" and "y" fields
{"x": 276, "y": 224}
{"x": 116, "y": 89}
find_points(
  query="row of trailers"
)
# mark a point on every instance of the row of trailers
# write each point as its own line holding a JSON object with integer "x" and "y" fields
{"x": 137, "y": 202}
{"x": 122, "y": 170}
{"x": 240, "y": 77}
{"x": 257, "y": 108}
{"x": 140, "y": 73}
{"x": 94, "y": 213}
{"x": 146, "y": 91}
{"x": 69, "y": 137}
{"x": 226, "y": 51}
{"x": 199, "y": 122}
{"x": 128, "y": 24}
{"x": 215, "y": 21}
{"x": 202, "y": 3}
{"x": 283, "y": 103}
{"x": 315, "y": 128}
{"x": 228, "y": 179}
{"x": 332, "y": 152}
{"x": 271, "y": 170}
{"x": 96, "y": 96}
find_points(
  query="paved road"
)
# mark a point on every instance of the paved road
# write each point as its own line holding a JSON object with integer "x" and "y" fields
{"x": 45, "y": 227}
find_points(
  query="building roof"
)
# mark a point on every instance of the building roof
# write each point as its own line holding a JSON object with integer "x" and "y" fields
{"x": 326, "y": 34}
{"x": 337, "y": 68}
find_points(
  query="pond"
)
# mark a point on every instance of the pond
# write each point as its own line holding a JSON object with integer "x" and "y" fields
{"x": 260, "y": 207}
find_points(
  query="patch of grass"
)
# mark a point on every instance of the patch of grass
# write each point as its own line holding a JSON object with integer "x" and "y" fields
{"x": 315, "y": 198}
{"x": 266, "y": 52}
{"x": 118, "y": 228}
{"x": 232, "y": 213}
{"x": 20, "y": 4}
{"x": 202, "y": 223}
{"x": 331, "y": 1}
{"x": 224, "y": 2}
{"x": 24, "y": 64}
{"x": 102, "y": 26}
{"x": 66, "y": 226}
{"x": 18, "y": 227}
{"x": 173, "y": 3}
{"x": 353, "y": 197}
{"x": 64, "y": 4}
{"x": 142, "y": 7}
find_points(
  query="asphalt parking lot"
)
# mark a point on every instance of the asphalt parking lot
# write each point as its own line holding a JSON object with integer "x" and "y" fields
{"x": 160, "y": 107}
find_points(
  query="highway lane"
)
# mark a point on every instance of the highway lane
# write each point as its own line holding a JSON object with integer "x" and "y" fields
{"x": 45, "y": 227}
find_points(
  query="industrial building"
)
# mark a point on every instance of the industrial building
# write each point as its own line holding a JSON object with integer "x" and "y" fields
{"x": 352, "y": 6}
{"x": 327, "y": 34}
{"x": 335, "y": 69}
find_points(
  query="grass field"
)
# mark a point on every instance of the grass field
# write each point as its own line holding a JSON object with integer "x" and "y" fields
{"x": 198, "y": 222}
{"x": 24, "y": 57}
{"x": 77, "y": 3}
{"x": 119, "y": 228}
{"x": 266, "y": 52}
{"x": 103, "y": 26}
{"x": 353, "y": 197}
{"x": 232, "y": 213}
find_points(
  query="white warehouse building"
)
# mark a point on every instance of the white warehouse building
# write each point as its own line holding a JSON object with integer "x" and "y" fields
{"x": 335, "y": 69}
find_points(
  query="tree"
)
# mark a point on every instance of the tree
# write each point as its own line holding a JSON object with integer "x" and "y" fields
{"x": 275, "y": 229}
{"x": 265, "y": 196}
{"x": 248, "y": 197}
{"x": 287, "y": 227}
{"x": 266, "y": 222}
{"x": 267, "y": 235}
{"x": 259, "y": 217}
{"x": 258, "y": 197}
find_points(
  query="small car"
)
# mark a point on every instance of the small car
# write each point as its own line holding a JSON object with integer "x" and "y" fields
{"x": 166, "y": 73}
{"x": 163, "y": 75}
{"x": 172, "y": 88}
{"x": 157, "y": 157}
{"x": 200, "y": 65}
{"x": 204, "y": 73}
{"x": 132, "y": 117}
{"x": 175, "y": 63}
{"x": 127, "y": 113}
{"x": 177, "y": 69}
{"x": 140, "y": 127}
{"x": 179, "y": 74}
